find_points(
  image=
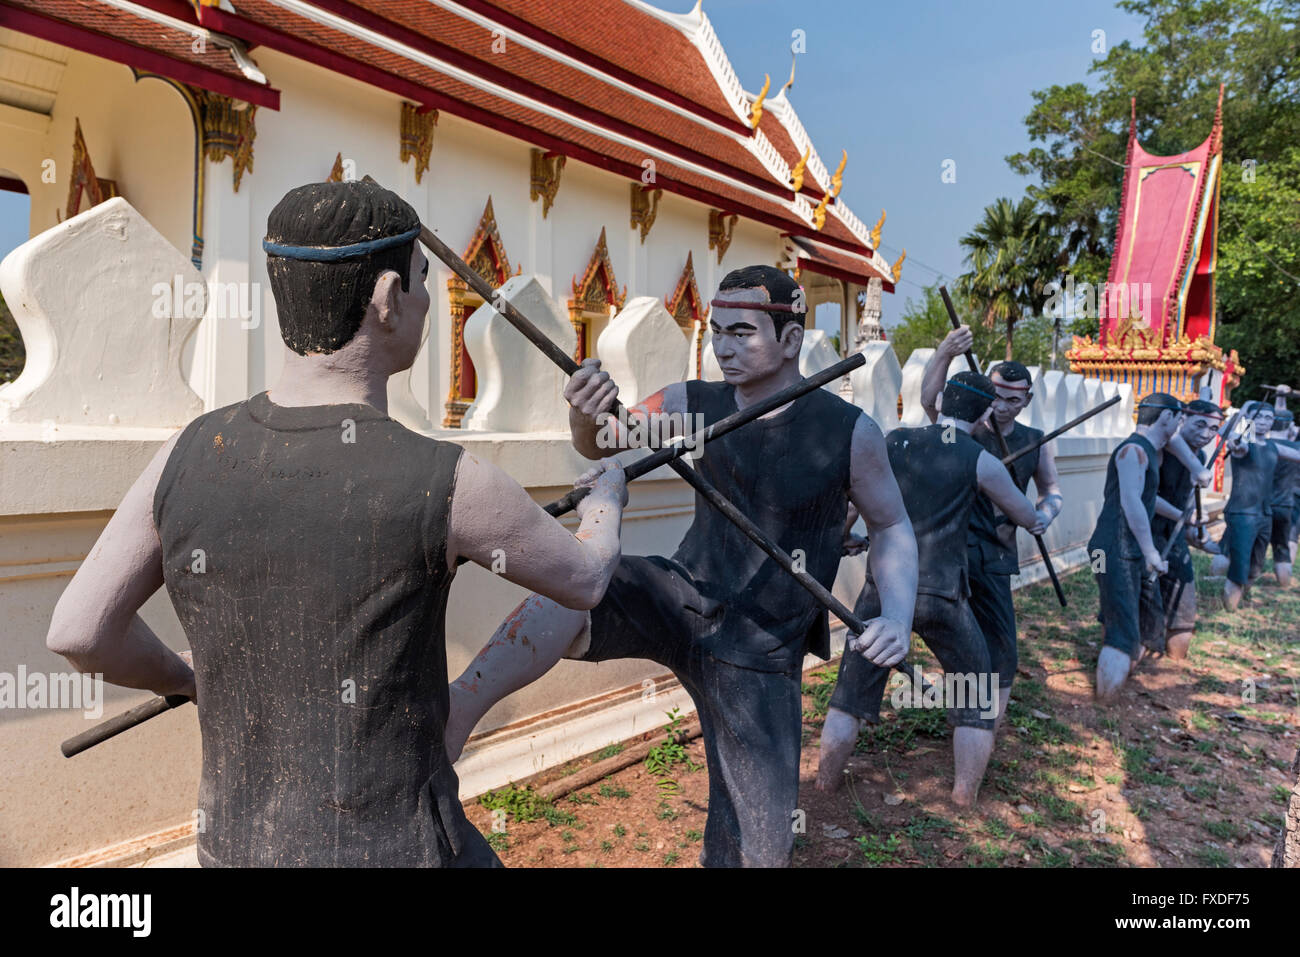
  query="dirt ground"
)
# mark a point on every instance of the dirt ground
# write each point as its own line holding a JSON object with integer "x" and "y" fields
{"x": 1190, "y": 768}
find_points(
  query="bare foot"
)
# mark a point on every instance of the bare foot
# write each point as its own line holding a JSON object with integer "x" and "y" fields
{"x": 1179, "y": 644}
{"x": 839, "y": 737}
{"x": 1113, "y": 668}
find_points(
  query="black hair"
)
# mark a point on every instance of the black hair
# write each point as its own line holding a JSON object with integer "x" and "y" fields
{"x": 1202, "y": 407}
{"x": 1155, "y": 405}
{"x": 967, "y": 396}
{"x": 320, "y": 305}
{"x": 781, "y": 290}
{"x": 1011, "y": 371}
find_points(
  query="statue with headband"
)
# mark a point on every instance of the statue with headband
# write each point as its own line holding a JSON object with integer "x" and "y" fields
{"x": 1248, "y": 516}
{"x": 308, "y": 544}
{"x": 1170, "y": 632}
{"x": 942, "y": 470}
{"x": 720, "y": 614}
{"x": 1286, "y": 482}
{"x": 1122, "y": 548}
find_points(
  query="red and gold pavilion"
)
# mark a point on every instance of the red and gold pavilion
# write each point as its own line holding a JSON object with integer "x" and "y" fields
{"x": 1157, "y": 320}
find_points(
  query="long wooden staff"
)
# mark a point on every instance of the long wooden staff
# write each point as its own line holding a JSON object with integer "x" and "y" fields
{"x": 1006, "y": 452}
{"x": 1073, "y": 423}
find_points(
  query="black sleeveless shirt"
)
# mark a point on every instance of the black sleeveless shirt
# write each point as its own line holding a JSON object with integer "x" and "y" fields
{"x": 790, "y": 474}
{"x": 1112, "y": 534}
{"x": 990, "y": 530}
{"x": 1252, "y": 480}
{"x": 1176, "y": 489}
{"x": 1286, "y": 479}
{"x": 936, "y": 469}
{"x": 304, "y": 550}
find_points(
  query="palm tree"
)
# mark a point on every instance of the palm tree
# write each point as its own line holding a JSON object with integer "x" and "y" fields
{"x": 1011, "y": 253}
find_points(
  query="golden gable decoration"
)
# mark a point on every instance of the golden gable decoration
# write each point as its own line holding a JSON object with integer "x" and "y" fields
{"x": 416, "y": 138}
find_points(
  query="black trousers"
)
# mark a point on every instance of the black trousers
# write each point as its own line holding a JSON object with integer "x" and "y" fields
{"x": 751, "y": 721}
{"x": 949, "y": 629}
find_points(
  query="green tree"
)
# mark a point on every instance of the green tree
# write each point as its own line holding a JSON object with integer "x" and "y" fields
{"x": 924, "y": 323}
{"x": 12, "y": 354}
{"x": 1189, "y": 47}
{"x": 1012, "y": 255}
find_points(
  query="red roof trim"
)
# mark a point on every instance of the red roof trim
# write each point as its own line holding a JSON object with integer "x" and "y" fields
{"x": 97, "y": 44}
{"x": 422, "y": 42}
{"x": 560, "y": 45}
{"x": 835, "y": 272}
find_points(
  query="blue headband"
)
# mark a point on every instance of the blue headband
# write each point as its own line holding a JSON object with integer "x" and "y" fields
{"x": 971, "y": 388}
{"x": 332, "y": 254}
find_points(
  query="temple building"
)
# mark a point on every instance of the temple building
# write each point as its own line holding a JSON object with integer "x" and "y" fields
{"x": 1157, "y": 311}
{"x": 603, "y": 147}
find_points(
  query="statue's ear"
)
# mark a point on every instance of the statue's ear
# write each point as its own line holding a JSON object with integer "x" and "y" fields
{"x": 384, "y": 298}
{"x": 792, "y": 337}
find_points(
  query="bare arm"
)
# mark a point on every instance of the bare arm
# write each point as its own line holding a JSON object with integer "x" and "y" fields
{"x": 1131, "y": 465}
{"x": 1167, "y": 510}
{"x": 494, "y": 523}
{"x": 892, "y": 557}
{"x": 996, "y": 482}
{"x": 1048, "y": 483}
{"x": 1287, "y": 452}
{"x": 935, "y": 374}
{"x": 591, "y": 394}
{"x": 1178, "y": 446}
{"x": 95, "y": 624}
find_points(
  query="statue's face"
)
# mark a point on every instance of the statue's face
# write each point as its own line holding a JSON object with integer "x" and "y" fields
{"x": 1199, "y": 429}
{"x": 745, "y": 341}
{"x": 1264, "y": 422}
{"x": 1012, "y": 399}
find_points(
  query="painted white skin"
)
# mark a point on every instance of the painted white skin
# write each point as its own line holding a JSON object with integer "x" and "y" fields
{"x": 1196, "y": 433}
{"x": 971, "y": 746}
{"x": 1113, "y": 665}
{"x": 758, "y": 363}
{"x": 1012, "y": 399}
{"x": 95, "y": 623}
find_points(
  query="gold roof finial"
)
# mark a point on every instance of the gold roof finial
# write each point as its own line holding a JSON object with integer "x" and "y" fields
{"x": 897, "y": 268}
{"x": 819, "y": 214}
{"x": 794, "y": 60}
{"x": 796, "y": 174}
{"x": 837, "y": 181}
{"x": 756, "y": 111}
{"x": 875, "y": 231}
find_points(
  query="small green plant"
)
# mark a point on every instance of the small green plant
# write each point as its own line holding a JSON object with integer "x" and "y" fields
{"x": 670, "y": 858}
{"x": 498, "y": 841}
{"x": 606, "y": 847}
{"x": 608, "y": 751}
{"x": 610, "y": 791}
{"x": 669, "y": 752}
{"x": 877, "y": 850}
{"x": 694, "y": 835}
{"x": 584, "y": 797}
{"x": 619, "y": 830}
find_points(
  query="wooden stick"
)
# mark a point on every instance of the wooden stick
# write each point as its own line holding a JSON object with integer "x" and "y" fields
{"x": 1006, "y": 451}
{"x": 123, "y": 722}
{"x": 720, "y": 428}
{"x": 1073, "y": 423}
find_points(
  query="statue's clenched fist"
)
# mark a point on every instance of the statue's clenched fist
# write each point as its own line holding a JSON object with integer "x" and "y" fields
{"x": 590, "y": 391}
{"x": 884, "y": 641}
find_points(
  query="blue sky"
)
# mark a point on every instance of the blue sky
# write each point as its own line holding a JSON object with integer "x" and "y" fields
{"x": 902, "y": 86}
